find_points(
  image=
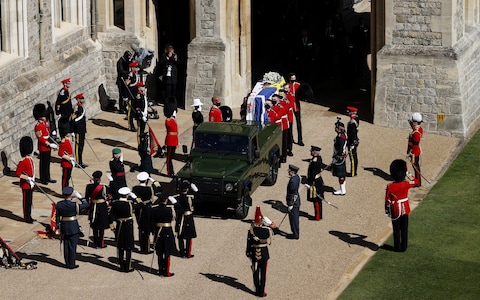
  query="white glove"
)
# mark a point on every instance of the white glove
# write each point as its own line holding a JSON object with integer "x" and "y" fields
{"x": 172, "y": 199}
{"x": 53, "y": 146}
{"x": 267, "y": 221}
{"x": 77, "y": 194}
{"x": 109, "y": 177}
{"x": 308, "y": 186}
{"x": 351, "y": 148}
{"x": 194, "y": 187}
{"x": 54, "y": 132}
{"x": 31, "y": 181}
{"x": 72, "y": 161}
{"x": 121, "y": 157}
{"x": 133, "y": 196}
{"x": 144, "y": 119}
{"x": 290, "y": 208}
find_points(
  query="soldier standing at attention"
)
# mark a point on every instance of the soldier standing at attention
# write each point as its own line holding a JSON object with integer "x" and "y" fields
{"x": 66, "y": 217}
{"x": 315, "y": 182}
{"x": 397, "y": 207}
{"x": 185, "y": 224}
{"x": 80, "y": 129}
{"x": 163, "y": 215}
{"x": 259, "y": 237}
{"x": 171, "y": 138}
{"x": 339, "y": 168}
{"x": 293, "y": 201}
{"x": 140, "y": 105}
{"x": 65, "y": 151}
{"x": 121, "y": 213}
{"x": 97, "y": 195}
{"x": 291, "y": 95}
{"x": 352, "y": 139}
{"x": 413, "y": 149}
{"x": 215, "y": 114}
{"x": 117, "y": 179}
{"x": 197, "y": 116}
{"x": 132, "y": 80}
{"x": 42, "y": 131}
{"x": 144, "y": 212}
{"x": 26, "y": 172}
{"x": 63, "y": 104}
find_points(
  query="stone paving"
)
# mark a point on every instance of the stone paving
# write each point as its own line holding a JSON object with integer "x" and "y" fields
{"x": 318, "y": 266}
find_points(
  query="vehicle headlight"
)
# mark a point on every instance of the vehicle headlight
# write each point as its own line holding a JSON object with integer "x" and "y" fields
{"x": 228, "y": 187}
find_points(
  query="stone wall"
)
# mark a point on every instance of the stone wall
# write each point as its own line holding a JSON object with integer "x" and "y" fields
{"x": 429, "y": 65}
{"x": 27, "y": 81}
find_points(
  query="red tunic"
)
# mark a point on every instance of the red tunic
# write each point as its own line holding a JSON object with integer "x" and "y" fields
{"x": 65, "y": 148}
{"x": 282, "y": 115}
{"x": 25, "y": 166}
{"x": 42, "y": 131}
{"x": 414, "y": 141}
{"x": 215, "y": 114}
{"x": 171, "y": 139}
{"x": 396, "y": 198}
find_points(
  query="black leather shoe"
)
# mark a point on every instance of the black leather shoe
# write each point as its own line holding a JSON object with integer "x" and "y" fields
{"x": 301, "y": 144}
{"x": 74, "y": 267}
{"x": 52, "y": 180}
{"x": 289, "y": 153}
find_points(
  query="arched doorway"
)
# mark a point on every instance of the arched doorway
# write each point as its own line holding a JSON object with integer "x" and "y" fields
{"x": 336, "y": 67}
{"x": 173, "y": 27}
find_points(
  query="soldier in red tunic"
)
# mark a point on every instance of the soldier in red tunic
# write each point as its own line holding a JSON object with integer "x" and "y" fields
{"x": 215, "y": 114}
{"x": 65, "y": 151}
{"x": 42, "y": 131}
{"x": 26, "y": 172}
{"x": 396, "y": 203}
{"x": 171, "y": 139}
{"x": 413, "y": 149}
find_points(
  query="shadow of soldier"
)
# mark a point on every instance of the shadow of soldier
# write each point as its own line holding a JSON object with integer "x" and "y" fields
{"x": 355, "y": 239}
{"x": 231, "y": 281}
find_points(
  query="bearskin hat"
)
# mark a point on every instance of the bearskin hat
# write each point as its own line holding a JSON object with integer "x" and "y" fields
{"x": 304, "y": 92}
{"x": 63, "y": 126}
{"x": 26, "y": 146}
{"x": 398, "y": 170}
{"x": 170, "y": 106}
{"x": 39, "y": 111}
{"x": 226, "y": 113}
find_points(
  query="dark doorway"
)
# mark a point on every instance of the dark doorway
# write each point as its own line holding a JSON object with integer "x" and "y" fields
{"x": 331, "y": 65}
{"x": 173, "y": 26}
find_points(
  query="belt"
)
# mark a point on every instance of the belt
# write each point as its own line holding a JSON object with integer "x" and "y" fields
{"x": 187, "y": 213}
{"x": 119, "y": 174}
{"x": 163, "y": 224}
{"x": 72, "y": 218}
{"x": 172, "y": 133}
{"x": 259, "y": 245}
{"x": 124, "y": 219}
{"x": 96, "y": 201}
{"x": 402, "y": 200}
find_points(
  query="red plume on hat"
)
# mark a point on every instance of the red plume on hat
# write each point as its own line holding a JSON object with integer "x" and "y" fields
{"x": 133, "y": 64}
{"x": 66, "y": 80}
{"x": 258, "y": 216}
{"x": 79, "y": 96}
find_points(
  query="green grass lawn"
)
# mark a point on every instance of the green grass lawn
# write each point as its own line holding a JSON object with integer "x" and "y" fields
{"x": 443, "y": 256}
